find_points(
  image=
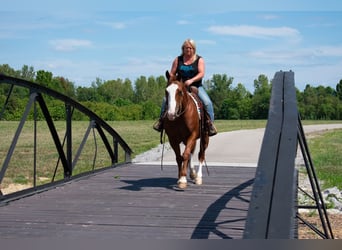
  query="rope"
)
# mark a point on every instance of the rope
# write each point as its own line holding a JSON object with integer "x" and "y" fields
{"x": 162, "y": 142}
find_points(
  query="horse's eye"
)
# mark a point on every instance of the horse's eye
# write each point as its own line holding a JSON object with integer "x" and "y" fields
{"x": 180, "y": 93}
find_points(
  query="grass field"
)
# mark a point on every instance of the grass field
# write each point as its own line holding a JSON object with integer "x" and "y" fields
{"x": 325, "y": 149}
{"x": 140, "y": 136}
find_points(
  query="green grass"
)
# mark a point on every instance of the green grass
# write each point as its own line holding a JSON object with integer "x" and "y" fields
{"x": 140, "y": 136}
{"x": 325, "y": 149}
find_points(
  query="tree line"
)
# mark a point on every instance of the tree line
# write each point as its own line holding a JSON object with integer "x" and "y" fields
{"x": 122, "y": 99}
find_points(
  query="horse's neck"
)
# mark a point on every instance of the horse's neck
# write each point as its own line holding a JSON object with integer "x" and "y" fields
{"x": 190, "y": 102}
{"x": 186, "y": 97}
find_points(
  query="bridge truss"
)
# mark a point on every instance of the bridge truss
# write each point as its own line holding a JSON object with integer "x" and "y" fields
{"x": 69, "y": 152}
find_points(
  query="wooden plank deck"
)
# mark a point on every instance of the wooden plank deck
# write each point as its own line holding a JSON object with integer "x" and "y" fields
{"x": 135, "y": 202}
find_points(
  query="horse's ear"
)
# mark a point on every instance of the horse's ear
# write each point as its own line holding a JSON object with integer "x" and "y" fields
{"x": 167, "y": 74}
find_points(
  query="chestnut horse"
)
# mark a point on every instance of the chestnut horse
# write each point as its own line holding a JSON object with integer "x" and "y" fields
{"x": 183, "y": 124}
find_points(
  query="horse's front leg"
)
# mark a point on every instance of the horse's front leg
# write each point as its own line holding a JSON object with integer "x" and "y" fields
{"x": 189, "y": 149}
{"x": 179, "y": 158}
{"x": 182, "y": 182}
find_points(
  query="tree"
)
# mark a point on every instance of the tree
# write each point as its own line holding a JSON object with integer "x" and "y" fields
{"x": 339, "y": 90}
{"x": 261, "y": 97}
{"x": 141, "y": 90}
{"x": 44, "y": 78}
{"x": 151, "y": 89}
{"x": 84, "y": 94}
{"x": 243, "y": 101}
{"x": 219, "y": 88}
{"x": 64, "y": 86}
{"x": 7, "y": 70}
{"x": 112, "y": 90}
{"x": 27, "y": 73}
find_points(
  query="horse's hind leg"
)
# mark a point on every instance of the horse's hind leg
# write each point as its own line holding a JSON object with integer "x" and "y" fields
{"x": 198, "y": 179}
{"x": 193, "y": 173}
{"x": 201, "y": 158}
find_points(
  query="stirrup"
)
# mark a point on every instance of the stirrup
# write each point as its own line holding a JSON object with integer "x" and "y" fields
{"x": 158, "y": 126}
{"x": 212, "y": 129}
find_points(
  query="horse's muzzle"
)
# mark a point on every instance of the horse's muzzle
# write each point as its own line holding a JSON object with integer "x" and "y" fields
{"x": 171, "y": 116}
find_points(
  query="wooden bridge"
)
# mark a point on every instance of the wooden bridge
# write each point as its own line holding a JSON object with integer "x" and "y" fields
{"x": 134, "y": 201}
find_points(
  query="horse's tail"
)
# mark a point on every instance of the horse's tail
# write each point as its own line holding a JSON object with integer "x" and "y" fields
{"x": 204, "y": 136}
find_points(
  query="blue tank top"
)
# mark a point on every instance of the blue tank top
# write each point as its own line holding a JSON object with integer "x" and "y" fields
{"x": 186, "y": 72}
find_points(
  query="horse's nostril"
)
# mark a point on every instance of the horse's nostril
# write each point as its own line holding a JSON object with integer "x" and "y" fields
{"x": 171, "y": 116}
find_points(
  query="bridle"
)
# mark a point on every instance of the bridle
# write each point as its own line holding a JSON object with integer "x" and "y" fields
{"x": 180, "y": 110}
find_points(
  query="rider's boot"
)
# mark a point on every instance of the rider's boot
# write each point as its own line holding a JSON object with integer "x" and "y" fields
{"x": 212, "y": 128}
{"x": 158, "y": 125}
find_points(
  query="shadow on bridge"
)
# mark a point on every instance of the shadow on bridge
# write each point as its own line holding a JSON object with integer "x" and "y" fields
{"x": 209, "y": 223}
{"x": 139, "y": 185}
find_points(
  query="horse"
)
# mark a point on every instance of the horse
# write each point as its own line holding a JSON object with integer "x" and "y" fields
{"x": 183, "y": 124}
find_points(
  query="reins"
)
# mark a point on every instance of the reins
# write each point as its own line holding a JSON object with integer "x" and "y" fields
{"x": 162, "y": 142}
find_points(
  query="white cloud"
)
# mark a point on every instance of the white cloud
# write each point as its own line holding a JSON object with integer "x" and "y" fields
{"x": 269, "y": 17}
{"x": 183, "y": 22}
{"x": 207, "y": 42}
{"x": 305, "y": 55}
{"x": 255, "y": 31}
{"x": 114, "y": 25}
{"x": 334, "y": 51}
{"x": 70, "y": 44}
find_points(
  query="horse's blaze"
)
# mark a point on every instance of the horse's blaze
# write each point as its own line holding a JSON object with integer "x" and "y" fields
{"x": 172, "y": 104}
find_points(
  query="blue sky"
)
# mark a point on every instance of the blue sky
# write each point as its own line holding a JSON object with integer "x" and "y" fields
{"x": 85, "y": 40}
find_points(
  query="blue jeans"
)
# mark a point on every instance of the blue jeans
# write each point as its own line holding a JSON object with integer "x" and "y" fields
{"x": 208, "y": 105}
{"x": 202, "y": 94}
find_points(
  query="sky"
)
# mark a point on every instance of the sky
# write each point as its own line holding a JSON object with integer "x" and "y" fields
{"x": 105, "y": 39}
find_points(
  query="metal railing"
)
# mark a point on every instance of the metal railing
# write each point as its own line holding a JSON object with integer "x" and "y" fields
{"x": 110, "y": 138}
{"x": 273, "y": 207}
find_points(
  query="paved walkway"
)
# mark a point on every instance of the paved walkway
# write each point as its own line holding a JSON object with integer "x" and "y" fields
{"x": 236, "y": 148}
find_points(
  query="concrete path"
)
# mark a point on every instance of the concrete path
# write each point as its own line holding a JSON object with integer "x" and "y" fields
{"x": 236, "y": 148}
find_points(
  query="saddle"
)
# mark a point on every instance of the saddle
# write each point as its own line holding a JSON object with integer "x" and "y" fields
{"x": 203, "y": 114}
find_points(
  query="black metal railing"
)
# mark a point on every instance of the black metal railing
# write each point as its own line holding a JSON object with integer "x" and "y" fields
{"x": 273, "y": 207}
{"x": 109, "y": 137}
{"x": 325, "y": 231}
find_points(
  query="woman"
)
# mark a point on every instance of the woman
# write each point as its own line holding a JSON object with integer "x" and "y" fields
{"x": 189, "y": 67}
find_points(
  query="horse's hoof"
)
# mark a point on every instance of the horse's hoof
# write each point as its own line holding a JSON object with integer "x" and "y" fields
{"x": 193, "y": 175}
{"x": 182, "y": 185}
{"x": 198, "y": 181}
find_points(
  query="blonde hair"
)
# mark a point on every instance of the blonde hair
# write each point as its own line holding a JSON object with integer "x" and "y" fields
{"x": 190, "y": 42}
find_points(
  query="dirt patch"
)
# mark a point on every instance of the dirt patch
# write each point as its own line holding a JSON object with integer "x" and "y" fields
{"x": 11, "y": 188}
{"x": 304, "y": 232}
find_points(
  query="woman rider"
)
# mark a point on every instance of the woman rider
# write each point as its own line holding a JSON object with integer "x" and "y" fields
{"x": 190, "y": 67}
